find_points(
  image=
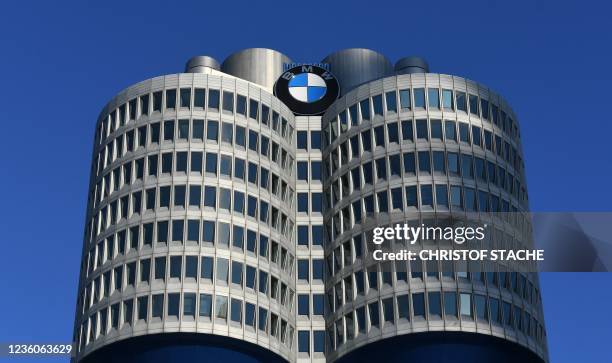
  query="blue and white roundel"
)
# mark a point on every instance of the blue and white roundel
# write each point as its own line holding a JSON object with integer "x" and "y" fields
{"x": 307, "y": 87}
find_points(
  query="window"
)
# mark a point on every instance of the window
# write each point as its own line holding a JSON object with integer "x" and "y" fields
{"x": 365, "y": 109}
{"x": 253, "y": 140}
{"x": 377, "y": 105}
{"x": 225, "y": 167}
{"x": 434, "y": 304}
{"x": 436, "y": 129}
{"x": 391, "y": 101}
{"x": 223, "y": 234}
{"x": 484, "y": 108}
{"x": 239, "y": 169}
{"x": 461, "y": 102}
{"x": 250, "y": 277}
{"x": 240, "y": 136}
{"x": 197, "y": 132}
{"x": 185, "y": 96}
{"x": 263, "y": 319}
{"x": 199, "y": 98}
{"x": 424, "y": 162}
{"x": 438, "y": 162}
{"x": 411, "y": 196}
{"x": 160, "y": 268}
{"x": 304, "y": 304}
{"x": 315, "y": 140}
{"x": 213, "y": 99}
{"x": 193, "y": 230}
{"x": 426, "y": 196}
{"x": 144, "y": 105}
{"x": 238, "y": 202}
{"x": 464, "y": 132}
{"x": 227, "y": 133}
{"x": 405, "y": 99}
{"x": 173, "y": 304}
{"x": 379, "y": 136}
{"x": 237, "y": 273}
{"x": 183, "y": 129}
{"x": 465, "y": 305}
{"x": 374, "y": 318}
{"x": 473, "y": 104}
{"x": 181, "y": 162}
{"x": 157, "y": 306}
{"x": 450, "y": 304}
{"x": 318, "y": 304}
{"x": 407, "y": 132}
{"x": 302, "y": 140}
{"x": 241, "y": 105}
{"x": 476, "y": 136}
{"x": 495, "y": 312}
{"x": 211, "y": 163}
{"x": 303, "y": 202}
{"x": 189, "y": 304}
{"x": 317, "y": 269}
{"x": 222, "y": 270}
{"x": 303, "y": 270}
{"x": 171, "y": 98}
{"x": 419, "y": 97}
{"x": 387, "y": 305}
{"x": 449, "y": 129}
{"x": 175, "y": 266}
{"x": 236, "y": 313}
{"x": 442, "y": 195}
{"x": 318, "y": 341}
{"x": 205, "y": 305}
{"x": 210, "y": 196}
{"x": 433, "y": 98}
{"x": 177, "y": 230}
{"x": 456, "y": 200}
{"x": 393, "y": 133}
{"x": 168, "y": 130}
{"x": 206, "y": 271}
{"x": 467, "y": 166}
{"x": 157, "y": 101}
{"x": 302, "y": 170}
{"x": 253, "y": 109}
{"x": 317, "y": 202}
{"x": 304, "y": 341}
{"x": 212, "y": 130}
{"x": 418, "y": 305}
{"x": 447, "y": 99}
{"x": 480, "y": 305}
{"x": 221, "y": 307}
{"x": 453, "y": 163}
{"x": 421, "y": 128}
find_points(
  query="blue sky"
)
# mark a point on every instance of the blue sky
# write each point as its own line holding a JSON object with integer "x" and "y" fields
{"x": 62, "y": 62}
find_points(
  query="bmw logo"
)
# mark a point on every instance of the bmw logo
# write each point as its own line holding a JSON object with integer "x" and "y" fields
{"x": 307, "y": 89}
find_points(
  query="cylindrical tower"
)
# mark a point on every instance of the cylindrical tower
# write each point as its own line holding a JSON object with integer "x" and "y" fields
{"x": 407, "y": 149}
{"x": 190, "y": 223}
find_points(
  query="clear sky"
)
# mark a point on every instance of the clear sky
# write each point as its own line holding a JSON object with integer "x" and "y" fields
{"x": 61, "y": 63}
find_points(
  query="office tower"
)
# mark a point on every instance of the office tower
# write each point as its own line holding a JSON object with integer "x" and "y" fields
{"x": 231, "y": 206}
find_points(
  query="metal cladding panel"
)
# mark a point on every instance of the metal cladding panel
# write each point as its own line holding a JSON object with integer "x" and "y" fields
{"x": 408, "y": 65}
{"x": 356, "y": 66}
{"x": 199, "y": 63}
{"x": 258, "y": 65}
